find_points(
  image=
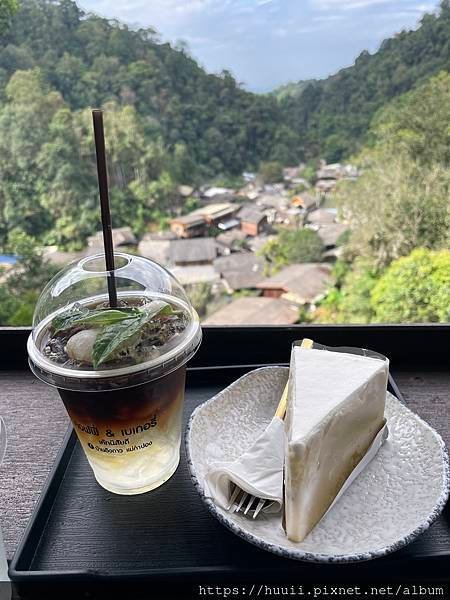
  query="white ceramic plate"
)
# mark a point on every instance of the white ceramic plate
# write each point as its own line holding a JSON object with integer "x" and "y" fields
{"x": 396, "y": 498}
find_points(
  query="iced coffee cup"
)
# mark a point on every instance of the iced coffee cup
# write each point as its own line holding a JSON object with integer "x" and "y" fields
{"x": 120, "y": 371}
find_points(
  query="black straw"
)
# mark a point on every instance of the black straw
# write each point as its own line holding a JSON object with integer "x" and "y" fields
{"x": 99, "y": 135}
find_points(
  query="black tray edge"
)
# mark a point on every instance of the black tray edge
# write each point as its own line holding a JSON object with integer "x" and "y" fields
{"x": 42, "y": 510}
{"x": 25, "y": 551}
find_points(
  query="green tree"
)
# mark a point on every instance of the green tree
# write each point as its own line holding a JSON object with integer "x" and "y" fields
{"x": 200, "y": 294}
{"x": 271, "y": 172}
{"x": 32, "y": 272}
{"x": 400, "y": 202}
{"x": 24, "y": 127}
{"x": 350, "y": 300}
{"x": 414, "y": 289}
{"x": 292, "y": 246}
{"x": 8, "y": 304}
{"x": 23, "y": 284}
{"x": 415, "y": 123}
{"x": 7, "y": 10}
{"x": 67, "y": 184}
{"x": 395, "y": 206}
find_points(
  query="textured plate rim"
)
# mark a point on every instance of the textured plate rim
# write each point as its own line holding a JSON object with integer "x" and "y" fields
{"x": 313, "y": 556}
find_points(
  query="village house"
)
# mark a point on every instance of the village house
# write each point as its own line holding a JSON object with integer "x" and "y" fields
{"x": 165, "y": 234}
{"x": 189, "y": 226}
{"x": 351, "y": 172}
{"x": 195, "y": 251}
{"x": 297, "y": 181}
{"x": 122, "y": 236}
{"x": 293, "y": 218}
{"x": 274, "y": 188}
{"x": 232, "y": 240}
{"x": 328, "y": 175}
{"x": 331, "y": 232}
{"x": 330, "y": 171}
{"x": 277, "y": 201}
{"x": 221, "y": 215}
{"x": 217, "y": 194}
{"x": 325, "y": 186}
{"x": 290, "y": 173}
{"x": 253, "y": 220}
{"x": 240, "y": 270}
{"x": 305, "y": 201}
{"x": 321, "y": 216}
{"x": 259, "y": 241}
{"x": 157, "y": 250}
{"x": 337, "y": 171}
{"x": 274, "y": 206}
{"x": 52, "y": 255}
{"x": 301, "y": 283}
{"x": 194, "y": 274}
{"x": 249, "y": 191}
{"x": 255, "y": 311}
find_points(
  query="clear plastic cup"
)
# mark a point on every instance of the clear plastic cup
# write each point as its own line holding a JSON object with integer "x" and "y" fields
{"x": 126, "y": 413}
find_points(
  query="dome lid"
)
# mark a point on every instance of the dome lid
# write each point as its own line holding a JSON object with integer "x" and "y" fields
{"x": 79, "y": 342}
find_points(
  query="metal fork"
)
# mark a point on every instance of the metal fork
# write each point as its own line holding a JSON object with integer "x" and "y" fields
{"x": 239, "y": 498}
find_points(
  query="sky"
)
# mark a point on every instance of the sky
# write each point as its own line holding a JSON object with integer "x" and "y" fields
{"x": 266, "y": 43}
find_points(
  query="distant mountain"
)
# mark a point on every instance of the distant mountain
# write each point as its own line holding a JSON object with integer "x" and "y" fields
{"x": 332, "y": 116}
{"x": 90, "y": 60}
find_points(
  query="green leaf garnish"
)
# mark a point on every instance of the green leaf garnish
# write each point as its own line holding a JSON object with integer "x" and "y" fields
{"x": 60, "y": 322}
{"x": 80, "y": 316}
{"x": 126, "y": 334}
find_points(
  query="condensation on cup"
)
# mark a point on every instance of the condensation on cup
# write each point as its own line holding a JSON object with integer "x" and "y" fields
{"x": 120, "y": 371}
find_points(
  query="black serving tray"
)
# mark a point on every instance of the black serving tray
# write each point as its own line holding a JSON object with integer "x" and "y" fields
{"x": 81, "y": 533}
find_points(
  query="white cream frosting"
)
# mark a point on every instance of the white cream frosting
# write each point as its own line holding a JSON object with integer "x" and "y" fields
{"x": 335, "y": 409}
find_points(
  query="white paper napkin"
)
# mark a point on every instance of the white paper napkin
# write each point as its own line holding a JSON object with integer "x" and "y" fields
{"x": 259, "y": 471}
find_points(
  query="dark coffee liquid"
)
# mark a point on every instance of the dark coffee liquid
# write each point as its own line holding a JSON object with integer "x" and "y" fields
{"x": 131, "y": 436}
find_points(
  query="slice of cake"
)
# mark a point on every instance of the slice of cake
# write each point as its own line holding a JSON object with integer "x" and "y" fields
{"x": 335, "y": 408}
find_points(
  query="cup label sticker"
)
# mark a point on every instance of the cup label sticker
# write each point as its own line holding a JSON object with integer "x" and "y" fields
{"x": 118, "y": 441}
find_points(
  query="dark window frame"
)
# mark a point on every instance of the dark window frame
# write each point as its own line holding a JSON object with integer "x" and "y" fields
{"x": 407, "y": 346}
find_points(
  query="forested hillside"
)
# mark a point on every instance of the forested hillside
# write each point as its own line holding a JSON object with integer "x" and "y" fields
{"x": 90, "y": 60}
{"x": 332, "y": 116}
{"x": 396, "y": 264}
{"x": 223, "y": 128}
{"x": 167, "y": 120}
